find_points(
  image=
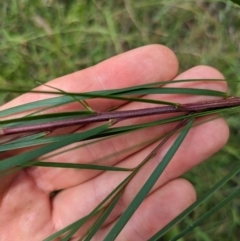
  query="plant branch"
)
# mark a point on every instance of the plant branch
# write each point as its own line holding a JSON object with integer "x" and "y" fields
{"x": 121, "y": 115}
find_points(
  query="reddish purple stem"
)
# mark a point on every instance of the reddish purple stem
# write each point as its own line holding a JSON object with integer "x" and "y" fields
{"x": 120, "y": 115}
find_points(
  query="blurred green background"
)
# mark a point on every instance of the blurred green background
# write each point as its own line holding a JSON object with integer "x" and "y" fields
{"x": 44, "y": 39}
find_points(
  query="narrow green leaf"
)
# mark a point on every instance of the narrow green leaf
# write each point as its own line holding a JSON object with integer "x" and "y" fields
{"x": 102, "y": 218}
{"x": 206, "y": 196}
{"x": 70, "y": 234}
{"x": 28, "y": 138}
{"x": 148, "y": 185}
{"x": 79, "y": 223}
{"x": 152, "y": 88}
{"x": 115, "y": 94}
{"x": 17, "y": 144}
{"x": 143, "y": 100}
{"x": 46, "y": 117}
{"x": 36, "y": 153}
{"x": 83, "y": 103}
{"x": 57, "y": 101}
{"x": 51, "y": 102}
{"x": 183, "y": 91}
{"x": 72, "y": 228}
{"x": 207, "y": 214}
{"x": 76, "y": 166}
{"x": 69, "y": 228}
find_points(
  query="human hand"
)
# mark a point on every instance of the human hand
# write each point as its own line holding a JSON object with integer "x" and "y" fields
{"x": 28, "y": 213}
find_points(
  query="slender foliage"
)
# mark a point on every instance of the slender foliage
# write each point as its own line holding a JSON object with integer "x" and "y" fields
{"x": 147, "y": 186}
{"x": 28, "y": 158}
{"x": 31, "y": 135}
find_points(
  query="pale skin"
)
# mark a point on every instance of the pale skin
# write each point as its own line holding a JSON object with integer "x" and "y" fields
{"x": 27, "y": 212}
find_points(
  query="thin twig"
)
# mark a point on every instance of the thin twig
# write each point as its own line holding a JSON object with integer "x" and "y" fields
{"x": 121, "y": 115}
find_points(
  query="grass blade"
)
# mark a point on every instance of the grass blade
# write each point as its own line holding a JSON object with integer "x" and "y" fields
{"x": 76, "y": 166}
{"x": 183, "y": 91}
{"x": 207, "y": 214}
{"x": 196, "y": 204}
{"x": 45, "y": 118}
{"x": 148, "y": 185}
{"x": 102, "y": 218}
{"x": 114, "y": 94}
{"x": 58, "y": 101}
{"x": 152, "y": 88}
{"x": 69, "y": 228}
{"x": 78, "y": 224}
{"x": 36, "y": 153}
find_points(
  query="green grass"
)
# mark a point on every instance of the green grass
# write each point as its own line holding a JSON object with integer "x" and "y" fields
{"x": 42, "y": 40}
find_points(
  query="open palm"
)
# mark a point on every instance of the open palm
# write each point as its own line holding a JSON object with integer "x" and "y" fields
{"x": 28, "y": 212}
